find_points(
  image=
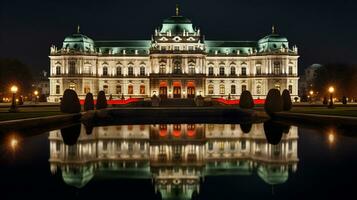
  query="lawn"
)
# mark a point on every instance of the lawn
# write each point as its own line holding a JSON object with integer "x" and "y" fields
{"x": 28, "y": 112}
{"x": 340, "y": 111}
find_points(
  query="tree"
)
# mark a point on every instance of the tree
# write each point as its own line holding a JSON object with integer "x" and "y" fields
{"x": 101, "y": 101}
{"x": 246, "y": 100}
{"x": 70, "y": 102}
{"x": 344, "y": 100}
{"x": 273, "y": 102}
{"x": 88, "y": 102}
{"x": 325, "y": 101}
{"x": 286, "y": 100}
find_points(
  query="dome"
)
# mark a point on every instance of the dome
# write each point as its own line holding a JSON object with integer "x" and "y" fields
{"x": 273, "y": 42}
{"x": 79, "y": 42}
{"x": 273, "y": 175}
{"x": 177, "y": 25}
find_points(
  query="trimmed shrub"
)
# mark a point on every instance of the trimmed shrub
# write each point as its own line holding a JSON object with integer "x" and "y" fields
{"x": 325, "y": 101}
{"x": 246, "y": 128}
{"x": 344, "y": 100}
{"x": 71, "y": 134}
{"x": 273, "y": 102}
{"x": 286, "y": 100}
{"x": 273, "y": 132}
{"x": 70, "y": 102}
{"x": 246, "y": 100}
{"x": 88, "y": 102}
{"x": 101, "y": 101}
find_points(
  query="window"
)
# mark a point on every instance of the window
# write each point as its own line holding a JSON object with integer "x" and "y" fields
{"x": 276, "y": 69}
{"x": 162, "y": 69}
{"x": 130, "y": 146}
{"x": 210, "y": 146}
{"x": 221, "y": 71}
{"x": 210, "y": 89}
{"x": 58, "y": 89}
{"x": 105, "y": 71}
{"x": 105, "y": 89}
{"x": 258, "y": 70}
{"x": 290, "y": 89}
{"x": 86, "y": 89}
{"x": 72, "y": 86}
{"x": 131, "y": 71}
{"x": 244, "y": 71}
{"x": 72, "y": 67}
{"x": 119, "y": 71}
{"x": 142, "y": 146}
{"x": 142, "y": 71}
{"x": 243, "y": 145}
{"x": 221, "y": 89}
{"x": 118, "y": 89}
{"x": 58, "y": 70}
{"x": 290, "y": 70}
{"x": 105, "y": 146}
{"x": 233, "y": 89}
{"x": 259, "y": 89}
{"x": 191, "y": 69}
{"x": 130, "y": 89}
{"x": 244, "y": 88}
{"x": 177, "y": 67}
{"x": 233, "y": 71}
{"x": 142, "y": 89}
{"x": 210, "y": 71}
{"x": 233, "y": 146}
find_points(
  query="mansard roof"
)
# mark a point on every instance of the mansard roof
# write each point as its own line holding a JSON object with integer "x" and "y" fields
{"x": 217, "y": 43}
{"x": 123, "y": 43}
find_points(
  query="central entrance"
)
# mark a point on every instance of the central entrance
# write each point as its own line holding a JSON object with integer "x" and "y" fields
{"x": 163, "y": 90}
{"x": 177, "y": 90}
{"x": 190, "y": 90}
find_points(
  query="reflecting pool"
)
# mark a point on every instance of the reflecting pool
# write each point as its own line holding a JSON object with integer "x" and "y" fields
{"x": 269, "y": 160}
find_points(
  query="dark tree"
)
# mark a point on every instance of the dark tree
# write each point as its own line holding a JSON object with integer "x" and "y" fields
{"x": 325, "y": 101}
{"x": 42, "y": 98}
{"x": 101, "y": 101}
{"x": 88, "y": 102}
{"x": 273, "y": 102}
{"x": 246, "y": 100}
{"x": 344, "y": 100}
{"x": 286, "y": 100}
{"x": 70, "y": 102}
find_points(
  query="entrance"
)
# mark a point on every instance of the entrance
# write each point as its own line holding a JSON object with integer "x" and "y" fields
{"x": 163, "y": 90}
{"x": 177, "y": 92}
{"x": 190, "y": 90}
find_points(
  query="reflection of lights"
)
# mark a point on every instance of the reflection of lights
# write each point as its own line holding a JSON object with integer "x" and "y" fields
{"x": 331, "y": 138}
{"x": 13, "y": 143}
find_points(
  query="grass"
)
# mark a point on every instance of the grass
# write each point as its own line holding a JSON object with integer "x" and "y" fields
{"x": 339, "y": 111}
{"x": 28, "y": 112}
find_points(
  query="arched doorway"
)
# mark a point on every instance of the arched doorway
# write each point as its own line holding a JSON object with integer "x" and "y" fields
{"x": 163, "y": 90}
{"x": 177, "y": 89}
{"x": 191, "y": 89}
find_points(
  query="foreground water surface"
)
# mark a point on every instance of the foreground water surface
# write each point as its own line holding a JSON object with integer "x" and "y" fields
{"x": 180, "y": 161}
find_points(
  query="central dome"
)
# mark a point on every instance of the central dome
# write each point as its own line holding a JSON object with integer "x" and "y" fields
{"x": 177, "y": 25}
{"x": 177, "y": 20}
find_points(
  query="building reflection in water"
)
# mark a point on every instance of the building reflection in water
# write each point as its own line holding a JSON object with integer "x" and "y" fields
{"x": 176, "y": 156}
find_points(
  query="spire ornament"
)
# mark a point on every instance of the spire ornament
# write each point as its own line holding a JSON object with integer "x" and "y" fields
{"x": 273, "y": 29}
{"x": 177, "y": 10}
{"x": 78, "y": 29}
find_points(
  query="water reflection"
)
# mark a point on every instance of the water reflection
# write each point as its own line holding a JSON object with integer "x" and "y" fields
{"x": 176, "y": 156}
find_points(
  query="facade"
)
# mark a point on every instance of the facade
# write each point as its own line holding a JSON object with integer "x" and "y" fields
{"x": 178, "y": 62}
{"x": 174, "y": 156}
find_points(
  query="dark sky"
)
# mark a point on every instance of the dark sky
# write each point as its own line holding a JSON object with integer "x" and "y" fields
{"x": 325, "y": 31}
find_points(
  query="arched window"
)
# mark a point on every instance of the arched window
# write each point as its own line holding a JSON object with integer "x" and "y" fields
{"x": 58, "y": 70}
{"x": 221, "y": 89}
{"x": 210, "y": 89}
{"x": 118, "y": 89}
{"x": 259, "y": 89}
{"x": 72, "y": 67}
{"x": 119, "y": 73}
{"x": 162, "y": 69}
{"x": 191, "y": 69}
{"x": 142, "y": 71}
{"x": 177, "y": 67}
{"x": 258, "y": 69}
{"x": 210, "y": 71}
{"x": 130, "y": 70}
{"x": 142, "y": 89}
{"x": 244, "y": 71}
{"x": 105, "y": 71}
{"x": 233, "y": 89}
{"x": 106, "y": 89}
{"x": 233, "y": 71}
{"x": 290, "y": 70}
{"x": 130, "y": 89}
{"x": 221, "y": 71}
{"x": 244, "y": 88}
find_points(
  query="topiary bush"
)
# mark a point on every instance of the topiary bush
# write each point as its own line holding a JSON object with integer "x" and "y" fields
{"x": 344, "y": 100}
{"x": 286, "y": 100}
{"x": 325, "y": 101}
{"x": 88, "y": 102}
{"x": 246, "y": 100}
{"x": 101, "y": 101}
{"x": 70, "y": 102}
{"x": 273, "y": 102}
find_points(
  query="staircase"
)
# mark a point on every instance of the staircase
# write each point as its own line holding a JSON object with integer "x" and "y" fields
{"x": 177, "y": 103}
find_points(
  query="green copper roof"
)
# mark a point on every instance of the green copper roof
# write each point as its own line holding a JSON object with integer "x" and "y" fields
{"x": 273, "y": 38}
{"x": 273, "y": 175}
{"x": 177, "y": 24}
{"x": 78, "y": 41}
{"x": 124, "y": 43}
{"x": 217, "y": 43}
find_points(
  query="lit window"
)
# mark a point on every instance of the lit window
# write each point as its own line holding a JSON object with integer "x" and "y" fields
{"x": 276, "y": 69}
{"x": 162, "y": 69}
{"x": 142, "y": 89}
{"x": 72, "y": 86}
{"x": 258, "y": 70}
{"x": 221, "y": 89}
{"x": 233, "y": 89}
{"x": 210, "y": 89}
{"x": 130, "y": 89}
{"x": 86, "y": 89}
{"x": 118, "y": 89}
{"x": 191, "y": 69}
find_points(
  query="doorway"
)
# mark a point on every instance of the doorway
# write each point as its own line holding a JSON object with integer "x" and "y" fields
{"x": 177, "y": 92}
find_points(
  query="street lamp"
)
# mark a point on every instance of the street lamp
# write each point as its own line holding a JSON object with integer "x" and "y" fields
{"x": 331, "y": 90}
{"x": 36, "y": 95}
{"x": 13, "y": 107}
{"x": 311, "y": 95}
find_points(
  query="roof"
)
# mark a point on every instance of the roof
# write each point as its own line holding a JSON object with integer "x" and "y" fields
{"x": 273, "y": 38}
{"x": 124, "y": 43}
{"x": 177, "y": 20}
{"x": 213, "y": 43}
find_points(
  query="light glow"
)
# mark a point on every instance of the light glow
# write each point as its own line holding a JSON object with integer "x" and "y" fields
{"x": 14, "y": 89}
{"x": 331, "y": 89}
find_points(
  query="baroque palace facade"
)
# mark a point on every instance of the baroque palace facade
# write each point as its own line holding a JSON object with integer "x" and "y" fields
{"x": 176, "y": 63}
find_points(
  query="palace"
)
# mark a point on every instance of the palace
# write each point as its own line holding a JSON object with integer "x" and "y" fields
{"x": 178, "y": 62}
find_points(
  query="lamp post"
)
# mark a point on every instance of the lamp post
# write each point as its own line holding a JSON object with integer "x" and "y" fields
{"x": 311, "y": 95}
{"x": 36, "y": 95}
{"x": 331, "y": 91}
{"x": 13, "y": 107}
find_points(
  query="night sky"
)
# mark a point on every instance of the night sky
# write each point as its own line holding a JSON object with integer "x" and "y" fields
{"x": 324, "y": 31}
